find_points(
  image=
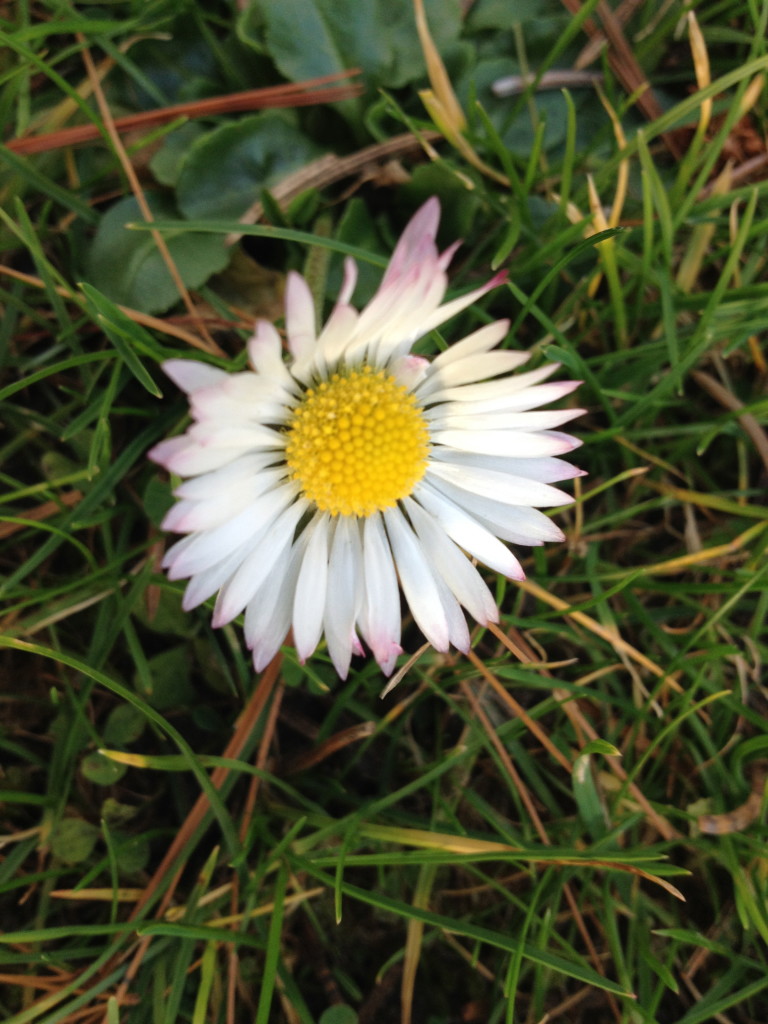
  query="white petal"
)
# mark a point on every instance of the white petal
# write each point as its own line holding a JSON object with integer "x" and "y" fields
{"x": 396, "y": 315}
{"x": 458, "y": 632}
{"x": 349, "y": 281}
{"x": 419, "y": 586}
{"x": 299, "y": 315}
{"x": 270, "y": 547}
{"x": 265, "y": 347}
{"x": 514, "y": 490}
{"x": 468, "y": 533}
{"x": 268, "y": 613}
{"x": 404, "y": 323}
{"x": 218, "y": 409}
{"x": 239, "y": 435}
{"x": 207, "y": 548}
{"x": 311, "y": 587}
{"x": 457, "y": 571}
{"x": 518, "y": 443}
{"x": 345, "y": 569}
{"x": 518, "y": 524}
{"x": 478, "y": 368}
{"x": 188, "y": 458}
{"x": 547, "y": 470}
{"x": 380, "y": 615}
{"x": 206, "y": 583}
{"x": 191, "y": 374}
{"x": 337, "y": 333}
{"x": 215, "y": 483}
{"x": 265, "y": 350}
{"x": 450, "y": 309}
{"x": 541, "y": 419}
{"x": 527, "y": 398}
{"x": 409, "y": 370}
{"x": 445, "y": 258}
{"x": 491, "y": 390}
{"x": 423, "y": 225}
{"x": 165, "y": 452}
{"x": 187, "y": 516}
{"x": 482, "y": 340}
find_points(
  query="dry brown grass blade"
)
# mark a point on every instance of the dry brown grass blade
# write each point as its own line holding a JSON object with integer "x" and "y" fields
{"x": 243, "y": 730}
{"x": 726, "y": 398}
{"x": 525, "y": 796}
{"x": 625, "y": 66}
{"x": 233, "y": 959}
{"x": 40, "y": 513}
{"x": 297, "y": 94}
{"x": 612, "y": 636}
{"x": 506, "y": 760}
{"x": 580, "y": 724}
{"x": 517, "y": 709}
{"x": 138, "y": 192}
{"x": 331, "y": 746}
{"x": 329, "y": 169}
{"x": 152, "y": 322}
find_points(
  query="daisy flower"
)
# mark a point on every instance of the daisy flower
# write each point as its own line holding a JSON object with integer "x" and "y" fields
{"x": 321, "y": 485}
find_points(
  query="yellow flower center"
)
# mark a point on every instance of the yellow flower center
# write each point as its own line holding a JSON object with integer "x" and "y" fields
{"x": 357, "y": 443}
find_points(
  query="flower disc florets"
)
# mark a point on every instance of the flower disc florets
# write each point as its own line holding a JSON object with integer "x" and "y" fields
{"x": 357, "y": 443}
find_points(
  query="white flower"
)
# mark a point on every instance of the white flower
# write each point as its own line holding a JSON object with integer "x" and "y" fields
{"x": 321, "y": 485}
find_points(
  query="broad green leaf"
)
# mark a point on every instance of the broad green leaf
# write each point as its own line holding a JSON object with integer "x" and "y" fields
{"x": 125, "y": 724}
{"x": 167, "y": 617}
{"x": 126, "y": 266}
{"x": 495, "y": 14}
{"x": 116, "y": 814}
{"x": 225, "y": 171}
{"x": 100, "y": 770}
{"x": 167, "y": 162}
{"x": 341, "y": 1014}
{"x": 310, "y": 38}
{"x": 169, "y": 672}
{"x": 73, "y": 840}
{"x": 133, "y": 854}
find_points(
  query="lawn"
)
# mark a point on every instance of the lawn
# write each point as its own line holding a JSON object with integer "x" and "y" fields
{"x": 558, "y": 816}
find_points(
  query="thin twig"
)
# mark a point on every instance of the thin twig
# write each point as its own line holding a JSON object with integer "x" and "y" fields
{"x": 726, "y": 398}
{"x": 295, "y": 94}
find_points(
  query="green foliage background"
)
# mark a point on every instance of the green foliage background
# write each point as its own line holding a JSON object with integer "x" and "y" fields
{"x": 497, "y": 839}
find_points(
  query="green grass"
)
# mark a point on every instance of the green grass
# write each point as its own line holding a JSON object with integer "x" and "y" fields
{"x": 568, "y": 824}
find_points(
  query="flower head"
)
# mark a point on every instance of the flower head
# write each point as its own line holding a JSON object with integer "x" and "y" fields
{"x": 322, "y": 484}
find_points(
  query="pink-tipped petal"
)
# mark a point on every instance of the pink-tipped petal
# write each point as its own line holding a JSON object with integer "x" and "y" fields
{"x": 311, "y": 588}
{"x": 409, "y": 370}
{"x": 420, "y": 230}
{"x": 349, "y": 281}
{"x": 191, "y": 375}
{"x": 299, "y": 316}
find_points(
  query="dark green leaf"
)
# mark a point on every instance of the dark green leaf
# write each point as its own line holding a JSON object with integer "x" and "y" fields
{"x": 341, "y": 1014}
{"x": 125, "y": 724}
{"x": 167, "y": 162}
{"x": 322, "y": 37}
{"x": 132, "y": 855}
{"x": 101, "y": 770}
{"x": 225, "y": 172}
{"x": 73, "y": 840}
{"x": 127, "y": 267}
{"x": 169, "y": 672}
